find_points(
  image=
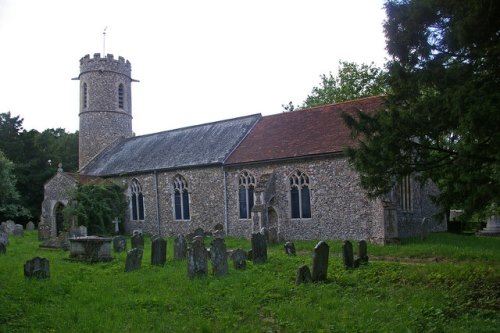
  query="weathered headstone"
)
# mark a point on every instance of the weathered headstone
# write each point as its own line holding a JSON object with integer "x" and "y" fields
{"x": 4, "y": 238}
{"x": 134, "y": 260}
{"x": 119, "y": 243}
{"x": 320, "y": 261}
{"x": 239, "y": 259}
{"x": 362, "y": 252}
{"x": 303, "y": 275}
{"x": 30, "y": 226}
{"x": 18, "y": 230}
{"x": 199, "y": 232}
{"x": 290, "y": 249}
{"x": 218, "y": 227}
{"x": 218, "y": 256}
{"x": 43, "y": 232}
{"x": 197, "y": 258}
{"x": 424, "y": 228}
{"x": 8, "y": 227}
{"x": 272, "y": 236}
{"x": 37, "y": 268}
{"x": 158, "y": 251}
{"x": 137, "y": 240}
{"x": 3, "y": 248}
{"x": 259, "y": 248}
{"x": 180, "y": 247}
{"x": 218, "y": 234}
{"x": 83, "y": 231}
{"x": 347, "y": 255}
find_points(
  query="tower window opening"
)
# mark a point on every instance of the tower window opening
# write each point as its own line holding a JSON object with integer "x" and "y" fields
{"x": 85, "y": 95}
{"x": 120, "y": 96}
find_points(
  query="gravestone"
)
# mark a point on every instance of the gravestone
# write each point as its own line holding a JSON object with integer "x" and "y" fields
{"x": 43, "y": 232}
{"x": 218, "y": 234}
{"x": 134, "y": 260}
{"x": 424, "y": 228}
{"x": 303, "y": 275}
{"x": 218, "y": 227}
{"x": 180, "y": 247}
{"x": 239, "y": 259}
{"x": 158, "y": 251}
{"x": 119, "y": 243}
{"x": 259, "y": 248}
{"x": 197, "y": 258}
{"x": 8, "y": 227}
{"x": 218, "y": 256}
{"x": 18, "y": 230}
{"x": 272, "y": 236}
{"x": 4, "y": 238}
{"x": 30, "y": 226}
{"x": 3, "y": 248}
{"x": 189, "y": 237}
{"x": 265, "y": 232}
{"x": 37, "y": 268}
{"x": 137, "y": 240}
{"x": 83, "y": 231}
{"x": 362, "y": 252}
{"x": 198, "y": 232}
{"x": 290, "y": 249}
{"x": 347, "y": 255}
{"x": 320, "y": 262}
{"x": 250, "y": 254}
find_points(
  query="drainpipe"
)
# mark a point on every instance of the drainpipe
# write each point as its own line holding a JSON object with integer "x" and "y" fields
{"x": 226, "y": 223}
{"x": 157, "y": 202}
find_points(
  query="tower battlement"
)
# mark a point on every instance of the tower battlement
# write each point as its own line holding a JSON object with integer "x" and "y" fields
{"x": 107, "y": 63}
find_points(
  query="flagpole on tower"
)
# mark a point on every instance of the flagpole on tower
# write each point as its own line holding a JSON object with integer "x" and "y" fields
{"x": 104, "y": 42}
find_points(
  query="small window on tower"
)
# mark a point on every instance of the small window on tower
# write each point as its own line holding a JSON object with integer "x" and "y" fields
{"x": 120, "y": 96}
{"x": 85, "y": 102}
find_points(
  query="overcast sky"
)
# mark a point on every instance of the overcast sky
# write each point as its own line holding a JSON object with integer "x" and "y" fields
{"x": 197, "y": 60}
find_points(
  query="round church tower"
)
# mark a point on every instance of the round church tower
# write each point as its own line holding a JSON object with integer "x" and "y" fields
{"x": 105, "y": 104}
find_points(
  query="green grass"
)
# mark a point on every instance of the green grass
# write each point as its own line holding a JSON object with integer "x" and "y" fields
{"x": 459, "y": 293}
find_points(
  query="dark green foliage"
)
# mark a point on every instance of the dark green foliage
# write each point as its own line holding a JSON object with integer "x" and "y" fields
{"x": 352, "y": 81}
{"x": 442, "y": 117}
{"x": 36, "y": 157}
{"x": 10, "y": 208}
{"x": 96, "y": 205}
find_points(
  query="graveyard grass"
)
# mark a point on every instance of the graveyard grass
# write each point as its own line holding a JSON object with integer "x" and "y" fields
{"x": 448, "y": 283}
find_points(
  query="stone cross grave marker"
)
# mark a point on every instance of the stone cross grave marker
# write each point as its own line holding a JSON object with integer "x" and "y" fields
{"x": 134, "y": 259}
{"x": 197, "y": 258}
{"x": 239, "y": 259}
{"x": 303, "y": 275}
{"x": 158, "y": 251}
{"x": 180, "y": 247}
{"x": 116, "y": 221}
{"x": 320, "y": 261}
{"x": 347, "y": 255}
{"x": 37, "y": 268}
{"x": 218, "y": 256}
{"x": 259, "y": 248}
{"x": 119, "y": 243}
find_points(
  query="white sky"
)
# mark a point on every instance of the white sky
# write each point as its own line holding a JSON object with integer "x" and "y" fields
{"x": 197, "y": 60}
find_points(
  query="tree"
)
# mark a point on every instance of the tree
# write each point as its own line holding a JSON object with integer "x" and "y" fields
{"x": 441, "y": 120}
{"x": 96, "y": 205}
{"x": 10, "y": 207}
{"x": 352, "y": 81}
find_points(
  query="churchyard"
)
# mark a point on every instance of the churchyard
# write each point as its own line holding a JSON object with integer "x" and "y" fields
{"x": 446, "y": 283}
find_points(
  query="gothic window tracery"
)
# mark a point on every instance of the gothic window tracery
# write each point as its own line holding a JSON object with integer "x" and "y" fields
{"x": 300, "y": 195}
{"x": 136, "y": 201}
{"x": 181, "y": 198}
{"x": 246, "y": 190}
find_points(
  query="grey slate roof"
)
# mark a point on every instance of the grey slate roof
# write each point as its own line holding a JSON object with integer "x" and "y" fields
{"x": 200, "y": 145}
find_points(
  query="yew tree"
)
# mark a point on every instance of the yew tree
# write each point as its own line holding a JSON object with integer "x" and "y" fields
{"x": 441, "y": 120}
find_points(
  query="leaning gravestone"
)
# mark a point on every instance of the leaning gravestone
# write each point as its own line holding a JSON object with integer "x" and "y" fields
{"x": 119, "y": 243}
{"x": 259, "y": 248}
{"x": 158, "y": 251}
{"x": 347, "y": 255}
{"x": 218, "y": 256}
{"x": 18, "y": 230}
{"x": 37, "y": 268}
{"x": 134, "y": 260}
{"x": 239, "y": 259}
{"x": 137, "y": 240}
{"x": 290, "y": 249}
{"x": 197, "y": 258}
{"x": 180, "y": 247}
{"x": 320, "y": 262}
{"x": 303, "y": 275}
{"x": 30, "y": 226}
{"x": 362, "y": 252}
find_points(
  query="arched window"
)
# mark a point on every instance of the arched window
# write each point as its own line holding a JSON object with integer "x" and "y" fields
{"x": 85, "y": 95}
{"x": 120, "y": 95}
{"x": 246, "y": 190}
{"x": 136, "y": 201}
{"x": 300, "y": 195}
{"x": 405, "y": 197}
{"x": 181, "y": 198}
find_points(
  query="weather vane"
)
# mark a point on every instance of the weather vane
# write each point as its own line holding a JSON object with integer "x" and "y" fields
{"x": 104, "y": 42}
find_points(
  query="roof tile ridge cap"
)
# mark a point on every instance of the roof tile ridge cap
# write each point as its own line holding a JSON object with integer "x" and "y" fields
{"x": 81, "y": 171}
{"x": 238, "y": 144}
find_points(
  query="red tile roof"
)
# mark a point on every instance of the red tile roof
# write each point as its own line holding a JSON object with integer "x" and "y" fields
{"x": 308, "y": 132}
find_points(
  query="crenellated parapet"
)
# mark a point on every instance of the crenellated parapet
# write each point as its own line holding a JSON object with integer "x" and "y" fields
{"x": 107, "y": 63}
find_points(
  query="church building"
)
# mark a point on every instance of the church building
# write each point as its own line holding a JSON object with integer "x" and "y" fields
{"x": 285, "y": 171}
